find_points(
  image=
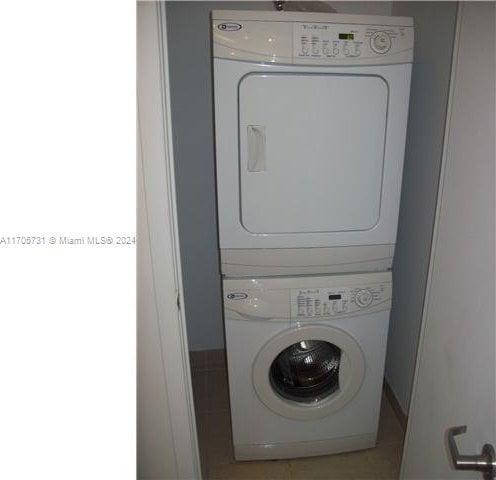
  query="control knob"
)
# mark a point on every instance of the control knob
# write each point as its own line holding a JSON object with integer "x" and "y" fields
{"x": 363, "y": 298}
{"x": 380, "y": 42}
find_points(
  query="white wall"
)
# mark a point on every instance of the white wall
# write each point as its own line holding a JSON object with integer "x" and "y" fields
{"x": 192, "y": 122}
{"x": 155, "y": 448}
{"x": 434, "y": 33}
{"x": 167, "y": 442}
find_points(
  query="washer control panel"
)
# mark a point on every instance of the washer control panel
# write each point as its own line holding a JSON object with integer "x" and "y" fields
{"x": 333, "y": 301}
{"x": 321, "y": 41}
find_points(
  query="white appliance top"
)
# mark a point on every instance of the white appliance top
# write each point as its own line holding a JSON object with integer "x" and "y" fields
{"x": 301, "y": 38}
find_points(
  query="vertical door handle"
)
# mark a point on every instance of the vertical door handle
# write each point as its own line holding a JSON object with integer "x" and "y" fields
{"x": 484, "y": 463}
{"x": 256, "y": 148}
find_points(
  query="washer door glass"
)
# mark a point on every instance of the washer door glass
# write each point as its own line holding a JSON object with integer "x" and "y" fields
{"x": 307, "y": 371}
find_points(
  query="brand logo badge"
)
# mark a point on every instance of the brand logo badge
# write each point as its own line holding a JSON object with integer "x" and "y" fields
{"x": 229, "y": 26}
{"x": 237, "y": 296}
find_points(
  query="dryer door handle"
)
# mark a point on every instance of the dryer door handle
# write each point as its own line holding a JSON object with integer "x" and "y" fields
{"x": 256, "y": 143}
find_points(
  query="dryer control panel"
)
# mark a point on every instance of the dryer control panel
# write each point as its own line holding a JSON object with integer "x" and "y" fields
{"x": 321, "y": 41}
{"x": 301, "y": 38}
{"x": 334, "y": 301}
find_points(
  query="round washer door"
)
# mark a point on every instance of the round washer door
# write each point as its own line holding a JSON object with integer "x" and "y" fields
{"x": 308, "y": 372}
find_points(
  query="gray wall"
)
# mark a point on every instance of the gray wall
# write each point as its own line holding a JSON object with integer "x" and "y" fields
{"x": 188, "y": 28}
{"x": 434, "y": 33}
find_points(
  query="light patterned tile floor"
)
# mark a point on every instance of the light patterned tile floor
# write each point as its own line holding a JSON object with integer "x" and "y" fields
{"x": 216, "y": 451}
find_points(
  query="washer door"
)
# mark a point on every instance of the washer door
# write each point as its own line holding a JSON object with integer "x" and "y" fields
{"x": 308, "y": 372}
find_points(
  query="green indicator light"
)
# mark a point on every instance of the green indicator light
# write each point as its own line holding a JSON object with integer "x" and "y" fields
{"x": 346, "y": 36}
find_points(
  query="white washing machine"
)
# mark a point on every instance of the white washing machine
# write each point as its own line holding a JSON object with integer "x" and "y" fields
{"x": 305, "y": 362}
{"x": 310, "y": 123}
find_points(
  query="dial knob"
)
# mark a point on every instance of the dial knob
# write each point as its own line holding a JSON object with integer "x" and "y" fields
{"x": 380, "y": 42}
{"x": 363, "y": 298}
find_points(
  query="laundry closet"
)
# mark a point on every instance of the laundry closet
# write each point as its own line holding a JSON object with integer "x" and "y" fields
{"x": 219, "y": 206}
{"x": 212, "y": 195}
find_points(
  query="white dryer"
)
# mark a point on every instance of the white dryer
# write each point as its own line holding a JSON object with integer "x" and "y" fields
{"x": 310, "y": 123}
{"x": 305, "y": 361}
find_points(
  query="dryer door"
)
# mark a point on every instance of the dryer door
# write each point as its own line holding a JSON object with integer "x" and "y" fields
{"x": 309, "y": 156}
{"x": 311, "y": 152}
{"x": 308, "y": 372}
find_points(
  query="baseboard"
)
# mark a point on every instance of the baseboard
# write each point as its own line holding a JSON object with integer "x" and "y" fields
{"x": 400, "y": 415}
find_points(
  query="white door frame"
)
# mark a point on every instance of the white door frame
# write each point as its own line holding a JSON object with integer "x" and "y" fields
{"x": 154, "y": 123}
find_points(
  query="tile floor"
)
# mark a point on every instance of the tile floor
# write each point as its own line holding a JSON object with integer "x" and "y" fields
{"x": 214, "y": 432}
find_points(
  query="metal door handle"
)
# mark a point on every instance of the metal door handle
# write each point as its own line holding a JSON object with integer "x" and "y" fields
{"x": 485, "y": 462}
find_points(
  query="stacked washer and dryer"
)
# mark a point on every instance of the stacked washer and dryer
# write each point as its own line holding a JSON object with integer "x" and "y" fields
{"x": 310, "y": 124}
